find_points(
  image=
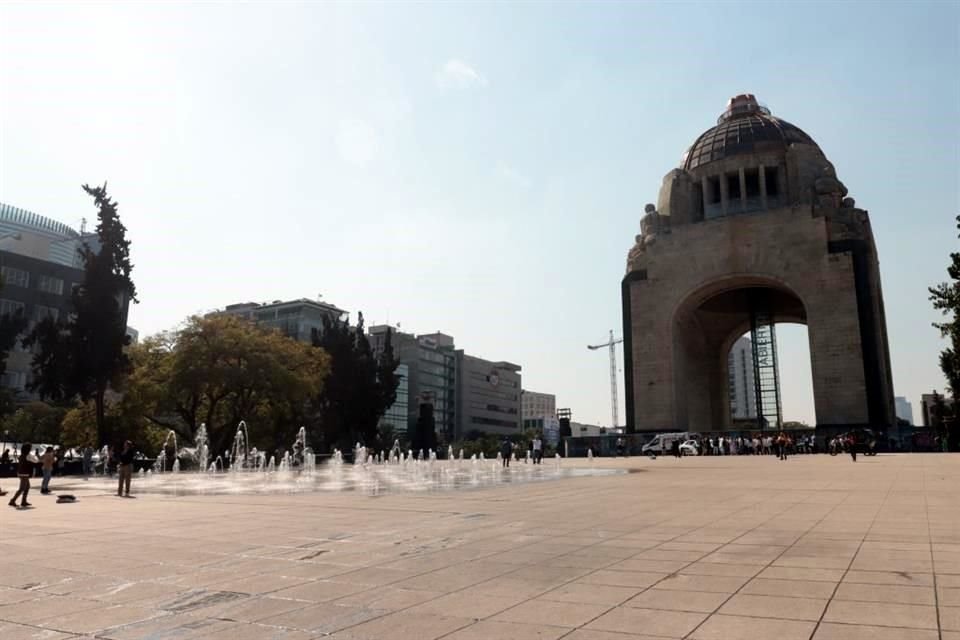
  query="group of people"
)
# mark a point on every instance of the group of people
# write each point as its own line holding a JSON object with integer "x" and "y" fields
{"x": 535, "y": 451}
{"x": 779, "y": 445}
{"x": 27, "y": 462}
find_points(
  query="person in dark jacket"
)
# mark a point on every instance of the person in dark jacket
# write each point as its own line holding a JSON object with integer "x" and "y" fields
{"x": 506, "y": 451}
{"x": 125, "y": 468}
{"x": 24, "y": 471}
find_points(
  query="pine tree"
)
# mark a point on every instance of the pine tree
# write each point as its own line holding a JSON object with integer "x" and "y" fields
{"x": 84, "y": 354}
{"x": 946, "y": 299}
{"x": 359, "y": 389}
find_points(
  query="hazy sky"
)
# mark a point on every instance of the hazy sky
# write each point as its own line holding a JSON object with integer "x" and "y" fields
{"x": 475, "y": 169}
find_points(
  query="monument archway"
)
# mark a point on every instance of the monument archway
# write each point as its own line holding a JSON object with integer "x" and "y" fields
{"x": 706, "y": 325}
{"x": 753, "y": 228}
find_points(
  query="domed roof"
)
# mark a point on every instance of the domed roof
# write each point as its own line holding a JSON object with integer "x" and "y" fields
{"x": 745, "y": 127}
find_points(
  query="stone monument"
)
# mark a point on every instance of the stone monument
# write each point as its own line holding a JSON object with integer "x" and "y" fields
{"x": 753, "y": 229}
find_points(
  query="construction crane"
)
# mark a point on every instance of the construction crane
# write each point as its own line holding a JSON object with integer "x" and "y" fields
{"x": 613, "y": 374}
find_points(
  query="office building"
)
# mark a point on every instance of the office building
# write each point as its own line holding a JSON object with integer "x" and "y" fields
{"x": 431, "y": 373}
{"x": 467, "y": 393}
{"x": 538, "y": 405}
{"x": 928, "y": 407}
{"x": 40, "y": 265}
{"x": 740, "y": 387}
{"x": 904, "y": 409}
{"x": 397, "y": 415}
{"x": 294, "y": 318}
{"x": 488, "y": 396}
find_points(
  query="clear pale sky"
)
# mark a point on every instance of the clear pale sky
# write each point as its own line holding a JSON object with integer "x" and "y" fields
{"x": 478, "y": 169}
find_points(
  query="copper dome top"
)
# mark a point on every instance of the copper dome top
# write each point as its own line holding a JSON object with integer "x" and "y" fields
{"x": 745, "y": 127}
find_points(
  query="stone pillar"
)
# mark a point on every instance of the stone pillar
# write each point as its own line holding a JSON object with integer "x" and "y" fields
{"x": 743, "y": 190}
{"x": 705, "y": 189}
{"x": 763, "y": 186}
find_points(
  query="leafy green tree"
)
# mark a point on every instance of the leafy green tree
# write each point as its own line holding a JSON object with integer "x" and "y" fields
{"x": 83, "y": 354}
{"x": 360, "y": 389}
{"x": 36, "y": 422}
{"x": 218, "y": 371}
{"x": 946, "y": 299}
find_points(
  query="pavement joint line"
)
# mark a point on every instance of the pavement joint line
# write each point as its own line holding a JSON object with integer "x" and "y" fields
{"x": 933, "y": 565}
{"x": 853, "y": 558}
{"x": 767, "y": 565}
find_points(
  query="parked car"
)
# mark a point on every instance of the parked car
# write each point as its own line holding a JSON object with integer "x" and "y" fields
{"x": 661, "y": 444}
{"x": 690, "y": 448}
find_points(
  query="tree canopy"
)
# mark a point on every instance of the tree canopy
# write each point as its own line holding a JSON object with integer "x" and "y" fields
{"x": 361, "y": 387}
{"x": 946, "y": 299}
{"x": 219, "y": 370}
{"x": 83, "y": 354}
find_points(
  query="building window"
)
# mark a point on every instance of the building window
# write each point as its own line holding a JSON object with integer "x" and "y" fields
{"x": 733, "y": 186}
{"x": 770, "y": 178}
{"x": 15, "y": 277}
{"x": 713, "y": 190}
{"x": 10, "y": 306}
{"x": 49, "y": 284}
{"x": 42, "y": 312}
{"x": 752, "y": 179}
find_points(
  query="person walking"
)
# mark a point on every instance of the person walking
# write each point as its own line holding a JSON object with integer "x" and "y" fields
{"x": 125, "y": 469}
{"x": 506, "y": 450}
{"x": 47, "y": 460}
{"x": 24, "y": 471}
{"x": 537, "y": 449}
{"x": 87, "y": 462}
{"x": 852, "y": 443}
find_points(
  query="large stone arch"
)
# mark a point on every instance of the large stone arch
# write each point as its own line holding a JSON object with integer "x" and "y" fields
{"x": 706, "y": 321}
{"x": 754, "y": 204}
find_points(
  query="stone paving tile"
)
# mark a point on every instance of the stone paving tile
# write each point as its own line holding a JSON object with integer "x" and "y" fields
{"x": 171, "y": 626}
{"x": 89, "y": 622}
{"x": 638, "y": 579}
{"x": 723, "y": 627}
{"x": 670, "y": 624}
{"x": 885, "y": 593}
{"x": 465, "y": 605}
{"x": 716, "y": 584}
{"x": 399, "y": 626}
{"x": 10, "y": 631}
{"x": 833, "y": 631}
{"x": 489, "y": 629}
{"x": 882, "y": 614}
{"x": 584, "y": 593}
{"x": 547, "y": 612}
{"x": 322, "y": 618}
{"x": 786, "y": 608}
{"x": 789, "y": 588}
{"x": 320, "y": 590}
{"x": 908, "y": 579}
{"x": 696, "y": 601}
{"x": 593, "y": 634}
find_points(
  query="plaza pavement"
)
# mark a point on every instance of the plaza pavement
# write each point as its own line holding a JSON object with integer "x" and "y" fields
{"x": 702, "y": 548}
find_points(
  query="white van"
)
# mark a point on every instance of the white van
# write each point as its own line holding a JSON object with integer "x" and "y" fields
{"x": 663, "y": 443}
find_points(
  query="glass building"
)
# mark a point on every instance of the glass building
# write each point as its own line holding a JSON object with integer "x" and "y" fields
{"x": 397, "y": 415}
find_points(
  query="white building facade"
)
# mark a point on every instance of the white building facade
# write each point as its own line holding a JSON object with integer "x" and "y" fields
{"x": 743, "y": 399}
{"x": 538, "y": 405}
